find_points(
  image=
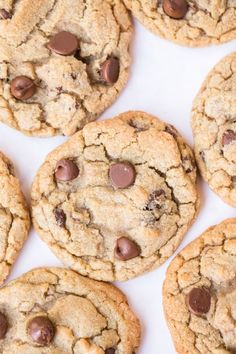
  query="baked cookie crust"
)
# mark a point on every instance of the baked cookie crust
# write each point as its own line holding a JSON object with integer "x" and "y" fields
{"x": 214, "y": 129}
{"x": 62, "y": 62}
{"x": 207, "y": 265}
{"x": 205, "y": 22}
{"x": 74, "y": 314}
{"x": 116, "y": 200}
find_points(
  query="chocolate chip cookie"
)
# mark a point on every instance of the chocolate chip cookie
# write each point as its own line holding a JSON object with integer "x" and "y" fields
{"x": 14, "y": 218}
{"x": 57, "y": 311}
{"x": 214, "y": 129}
{"x": 62, "y": 63}
{"x": 116, "y": 200}
{"x": 200, "y": 294}
{"x": 192, "y": 23}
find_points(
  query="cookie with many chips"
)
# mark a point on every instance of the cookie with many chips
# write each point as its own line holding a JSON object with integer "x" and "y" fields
{"x": 116, "y": 200}
{"x": 62, "y": 63}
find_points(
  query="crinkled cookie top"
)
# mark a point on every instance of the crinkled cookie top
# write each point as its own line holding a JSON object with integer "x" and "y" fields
{"x": 14, "y": 217}
{"x": 192, "y": 23}
{"x": 200, "y": 293}
{"x": 62, "y": 62}
{"x": 117, "y": 198}
{"x": 214, "y": 129}
{"x": 56, "y": 311}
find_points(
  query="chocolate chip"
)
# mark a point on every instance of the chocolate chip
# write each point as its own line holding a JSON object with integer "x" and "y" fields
{"x": 176, "y": 9}
{"x": 138, "y": 126}
{"x": 199, "y": 301}
{"x": 110, "y": 71}
{"x": 122, "y": 174}
{"x": 126, "y": 249}
{"x": 153, "y": 202}
{"x": 110, "y": 351}
{"x": 3, "y": 325}
{"x": 22, "y": 87}
{"x": 171, "y": 130}
{"x": 5, "y": 15}
{"x": 228, "y": 137}
{"x": 41, "y": 330}
{"x": 64, "y": 43}
{"x": 60, "y": 217}
{"x": 66, "y": 170}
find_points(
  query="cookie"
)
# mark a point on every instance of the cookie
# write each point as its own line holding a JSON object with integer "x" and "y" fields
{"x": 57, "y": 311}
{"x": 191, "y": 23}
{"x": 14, "y": 217}
{"x": 62, "y": 63}
{"x": 199, "y": 293}
{"x": 116, "y": 200}
{"x": 214, "y": 129}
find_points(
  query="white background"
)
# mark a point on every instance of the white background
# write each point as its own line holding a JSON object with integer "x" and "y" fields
{"x": 164, "y": 80}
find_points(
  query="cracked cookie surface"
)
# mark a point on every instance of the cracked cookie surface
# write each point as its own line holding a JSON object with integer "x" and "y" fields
{"x": 74, "y": 76}
{"x": 207, "y": 266}
{"x": 204, "y": 22}
{"x": 214, "y": 129}
{"x": 85, "y": 316}
{"x": 114, "y": 202}
{"x": 14, "y": 217}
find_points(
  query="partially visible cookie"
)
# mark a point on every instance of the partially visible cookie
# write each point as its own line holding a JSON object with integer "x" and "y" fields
{"x": 62, "y": 63}
{"x": 199, "y": 293}
{"x": 57, "y": 311}
{"x": 214, "y": 129}
{"x": 14, "y": 217}
{"x": 192, "y": 23}
{"x": 116, "y": 200}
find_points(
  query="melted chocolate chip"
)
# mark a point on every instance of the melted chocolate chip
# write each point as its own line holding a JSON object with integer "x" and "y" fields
{"x": 138, "y": 126}
{"x": 60, "y": 217}
{"x": 126, "y": 249}
{"x": 66, "y": 170}
{"x": 153, "y": 201}
{"x": 64, "y": 43}
{"x": 110, "y": 351}
{"x": 176, "y": 9}
{"x": 199, "y": 301}
{"x": 110, "y": 71}
{"x": 22, "y": 87}
{"x": 228, "y": 137}
{"x": 122, "y": 174}
{"x": 5, "y": 15}
{"x": 171, "y": 130}
{"x": 41, "y": 330}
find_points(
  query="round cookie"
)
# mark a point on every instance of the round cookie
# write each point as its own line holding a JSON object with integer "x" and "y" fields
{"x": 116, "y": 200}
{"x": 214, "y": 129}
{"x": 14, "y": 218}
{"x": 199, "y": 293}
{"x": 191, "y": 23}
{"x": 57, "y": 311}
{"x": 62, "y": 63}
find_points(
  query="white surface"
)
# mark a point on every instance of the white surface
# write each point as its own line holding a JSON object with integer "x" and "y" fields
{"x": 164, "y": 80}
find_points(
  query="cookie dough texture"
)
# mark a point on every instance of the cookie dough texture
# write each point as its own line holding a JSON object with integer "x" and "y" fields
{"x": 208, "y": 262}
{"x": 89, "y": 317}
{"x": 206, "y": 22}
{"x": 69, "y": 88}
{"x": 155, "y": 212}
{"x": 14, "y": 217}
{"x": 214, "y": 124}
